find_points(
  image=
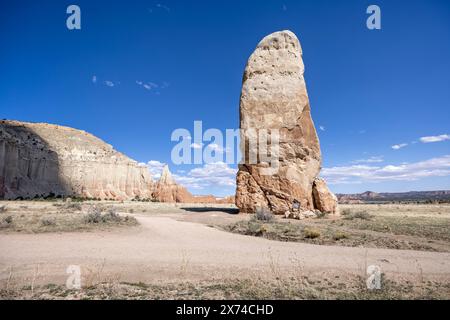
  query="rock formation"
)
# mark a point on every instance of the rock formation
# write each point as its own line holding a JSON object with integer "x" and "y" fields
{"x": 324, "y": 200}
{"x": 166, "y": 190}
{"x": 274, "y": 97}
{"x": 39, "y": 160}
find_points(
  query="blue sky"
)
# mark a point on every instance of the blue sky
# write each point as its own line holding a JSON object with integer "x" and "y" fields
{"x": 137, "y": 70}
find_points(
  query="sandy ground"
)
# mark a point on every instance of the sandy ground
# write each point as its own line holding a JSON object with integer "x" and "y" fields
{"x": 174, "y": 247}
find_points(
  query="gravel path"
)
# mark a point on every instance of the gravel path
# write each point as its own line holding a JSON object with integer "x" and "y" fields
{"x": 168, "y": 249}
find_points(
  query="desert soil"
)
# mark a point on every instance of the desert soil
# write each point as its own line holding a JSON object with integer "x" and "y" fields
{"x": 172, "y": 245}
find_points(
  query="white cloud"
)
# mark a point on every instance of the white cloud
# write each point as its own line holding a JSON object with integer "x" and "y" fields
{"x": 217, "y": 174}
{"x": 375, "y": 159}
{"x": 196, "y": 146}
{"x": 109, "y": 83}
{"x": 436, "y": 167}
{"x": 322, "y": 128}
{"x": 218, "y": 149}
{"x": 94, "y": 79}
{"x": 431, "y": 139}
{"x": 155, "y": 167}
{"x": 399, "y": 146}
{"x": 159, "y": 5}
{"x": 151, "y": 85}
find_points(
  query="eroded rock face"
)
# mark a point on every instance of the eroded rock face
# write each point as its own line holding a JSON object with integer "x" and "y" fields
{"x": 274, "y": 96}
{"x": 324, "y": 200}
{"x": 38, "y": 159}
{"x": 166, "y": 190}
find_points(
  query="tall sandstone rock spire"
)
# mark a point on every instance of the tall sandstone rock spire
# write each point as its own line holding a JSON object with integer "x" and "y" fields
{"x": 274, "y": 97}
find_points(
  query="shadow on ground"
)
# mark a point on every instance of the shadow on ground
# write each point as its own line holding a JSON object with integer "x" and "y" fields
{"x": 210, "y": 209}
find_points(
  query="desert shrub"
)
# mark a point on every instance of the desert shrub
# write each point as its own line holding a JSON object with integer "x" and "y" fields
{"x": 320, "y": 214}
{"x": 73, "y": 206}
{"x": 3, "y": 209}
{"x": 346, "y": 212}
{"x": 94, "y": 215}
{"x": 130, "y": 220}
{"x": 311, "y": 233}
{"x": 6, "y": 222}
{"x": 264, "y": 214}
{"x": 340, "y": 236}
{"x": 363, "y": 215}
{"x": 111, "y": 216}
{"x": 47, "y": 222}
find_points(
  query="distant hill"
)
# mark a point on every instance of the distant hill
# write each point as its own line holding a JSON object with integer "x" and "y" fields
{"x": 369, "y": 196}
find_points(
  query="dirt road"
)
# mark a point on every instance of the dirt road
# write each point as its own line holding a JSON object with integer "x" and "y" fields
{"x": 164, "y": 248}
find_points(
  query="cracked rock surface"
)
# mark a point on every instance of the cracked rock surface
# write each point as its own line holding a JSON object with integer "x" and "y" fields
{"x": 274, "y": 97}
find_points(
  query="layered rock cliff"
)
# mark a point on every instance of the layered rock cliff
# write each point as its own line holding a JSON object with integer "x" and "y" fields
{"x": 38, "y": 160}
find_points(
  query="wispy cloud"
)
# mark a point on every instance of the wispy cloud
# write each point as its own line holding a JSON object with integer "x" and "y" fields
{"x": 159, "y": 6}
{"x": 322, "y": 128}
{"x": 399, "y": 146}
{"x": 436, "y": 167}
{"x": 152, "y": 86}
{"x": 374, "y": 159}
{"x": 430, "y": 139}
{"x": 94, "y": 79}
{"x": 218, "y": 149}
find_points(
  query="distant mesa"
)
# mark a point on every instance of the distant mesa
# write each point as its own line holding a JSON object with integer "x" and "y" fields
{"x": 411, "y": 196}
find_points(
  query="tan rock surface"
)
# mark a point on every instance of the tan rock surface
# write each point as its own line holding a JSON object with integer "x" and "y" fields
{"x": 324, "y": 200}
{"x": 38, "y": 159}
{"x": 166, "y": 190}
{"x": 274, "y": 96}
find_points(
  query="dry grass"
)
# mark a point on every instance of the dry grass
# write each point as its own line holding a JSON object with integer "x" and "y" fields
{"x": 242, "y": 289}
{"x": 34, "y": 217}
{"x": 417, "y": 227}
